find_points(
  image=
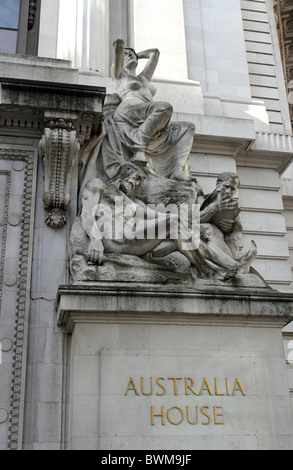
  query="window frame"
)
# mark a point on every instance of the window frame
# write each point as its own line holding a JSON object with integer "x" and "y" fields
{"x": 28, "y": 27}
{"x": 27, "y": 40}
{"x": 12, "y": 30}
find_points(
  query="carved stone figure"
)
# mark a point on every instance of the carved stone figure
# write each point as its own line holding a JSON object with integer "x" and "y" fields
{"x": 221, "y": 211}
{"x": 101, "y": 198}
{"x": 134, "y": 182}
{"x": 139, "y": 129}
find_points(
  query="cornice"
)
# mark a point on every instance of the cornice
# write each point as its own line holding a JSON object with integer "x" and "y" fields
{"x": 268, "y": 150}
{"x": 171, "y": 305}
{"x": 63, "y": 117}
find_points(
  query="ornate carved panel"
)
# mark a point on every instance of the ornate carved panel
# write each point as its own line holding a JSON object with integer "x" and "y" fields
{"x": 17, "y": 189}
{"x": 59, "y": 146}
{"x": 64, "y": 117}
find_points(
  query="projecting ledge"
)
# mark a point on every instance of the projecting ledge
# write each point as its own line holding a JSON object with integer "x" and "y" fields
{"x": 181, "y": 305}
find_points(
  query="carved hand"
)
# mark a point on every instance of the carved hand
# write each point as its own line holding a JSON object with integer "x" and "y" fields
{"x": 225, "y": 204}
{"x": 226, "y": 225}
{"x": 118, "y": 42}
{"x": 95, "y": 252}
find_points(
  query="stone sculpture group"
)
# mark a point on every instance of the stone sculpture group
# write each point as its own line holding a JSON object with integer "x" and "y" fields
{"x": 142, "y": 216}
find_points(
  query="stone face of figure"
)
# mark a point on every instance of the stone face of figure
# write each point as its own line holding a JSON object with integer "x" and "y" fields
{"x": 227, "y": 185}
{"x": 130, "y": 58}
{"x": 131, "y": 181}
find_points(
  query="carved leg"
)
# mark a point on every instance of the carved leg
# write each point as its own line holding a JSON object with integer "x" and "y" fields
{"x": 246, "y": 260}
{"x": 233, "y": 241}
{"x": 216, "y": 255}
{"x": 159, "y": 116}
{"x": 157, "y": 120}
{"x": 183, "y": 149}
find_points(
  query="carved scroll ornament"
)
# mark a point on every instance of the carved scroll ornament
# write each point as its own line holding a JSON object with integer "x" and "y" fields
{"x": 32, "y": 13}
{"x": 59, "y": 146}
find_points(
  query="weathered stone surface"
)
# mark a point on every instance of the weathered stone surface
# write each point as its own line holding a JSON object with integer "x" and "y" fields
{"x": 142, "y": 161}
{"x": 200, "y": 302}
{"x": 147, "y": 361}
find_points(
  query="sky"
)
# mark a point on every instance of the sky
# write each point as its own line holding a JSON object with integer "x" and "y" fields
{"x": 9, "y": 13}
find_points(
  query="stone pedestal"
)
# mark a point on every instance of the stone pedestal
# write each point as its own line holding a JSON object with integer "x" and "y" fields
{"x": 162, "y": 367}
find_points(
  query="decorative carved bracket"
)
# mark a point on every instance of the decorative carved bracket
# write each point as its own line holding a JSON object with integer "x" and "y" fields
{"x": 32, "y": 13}
{"x": 68, "y": 115}
{"x": 59, "y": 146}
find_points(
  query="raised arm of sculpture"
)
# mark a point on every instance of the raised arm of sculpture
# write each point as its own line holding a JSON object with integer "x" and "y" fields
{"x": 118, "y": 59}
{"x": 153, "y": 57}
{"x": 126, "y": 59}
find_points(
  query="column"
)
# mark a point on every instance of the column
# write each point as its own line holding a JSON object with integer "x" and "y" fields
{"x": 83, "y": 34}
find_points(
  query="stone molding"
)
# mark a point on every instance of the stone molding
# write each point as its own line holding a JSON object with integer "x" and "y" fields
{"x": 63, "y": 117}
{"x": 273, "y": 149}
{"x": 4, "y": 224}
{"x": 19, "y": 363}
{"x": 21, "y": 160}
{"x": 274, "y": 142}
{"x": 118, "y": 303}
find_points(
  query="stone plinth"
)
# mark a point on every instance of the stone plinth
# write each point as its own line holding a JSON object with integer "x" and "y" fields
{"x": 162, "y": 367}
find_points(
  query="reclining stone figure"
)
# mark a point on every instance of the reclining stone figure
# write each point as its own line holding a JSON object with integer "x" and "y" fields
{"x": 208, "y": 260}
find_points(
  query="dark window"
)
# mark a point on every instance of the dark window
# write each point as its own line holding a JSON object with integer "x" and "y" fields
{"x": 9, "y": 16}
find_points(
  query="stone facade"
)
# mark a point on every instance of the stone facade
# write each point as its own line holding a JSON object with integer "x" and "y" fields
{"x": 221, "y": 69}
{"x": 138, "y": 338}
